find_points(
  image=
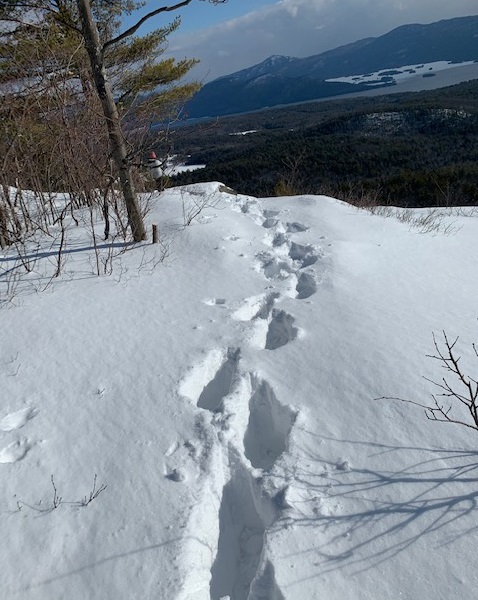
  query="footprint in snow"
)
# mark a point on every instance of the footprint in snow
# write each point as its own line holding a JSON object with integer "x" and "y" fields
{"x": 178, "y": 475}
{"x": 269, "y": 427}
{"x": 270, "y": 222}
{"x": 306, "y": 286}
{"x": 210, "y": 381}
{"x": 279, "y": 240}
{"x": 270, "y": 213}
{"x": 172, "y": 449}
{"x": 245, "y": 207}
{"x": 256, "y": 307}
{"x": 272, "y": 266}
{"x": 18, "y": 419}
{"x": 304, "y": 255}
{"x": 182, "y": 460}
{"x": 281, "y": 330}
{"x": 296, "y": 227}
{"x": 214, "y": 301}
{"x": 14, "y": 451}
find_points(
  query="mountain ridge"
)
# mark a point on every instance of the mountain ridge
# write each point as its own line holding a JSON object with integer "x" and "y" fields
{"x": 292, "y": 79}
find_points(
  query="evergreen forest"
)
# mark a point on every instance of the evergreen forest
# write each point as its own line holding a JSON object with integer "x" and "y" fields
{"x": 415, "y": 149}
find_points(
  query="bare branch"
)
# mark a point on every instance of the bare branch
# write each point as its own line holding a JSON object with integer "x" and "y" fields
{"x": 134, "y": 28}
{"x": 463, "y": 390}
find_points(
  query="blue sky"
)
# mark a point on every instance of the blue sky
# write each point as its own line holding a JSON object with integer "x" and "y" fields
{"x": 200, "y": 15}
{"x": 241, "y": 33}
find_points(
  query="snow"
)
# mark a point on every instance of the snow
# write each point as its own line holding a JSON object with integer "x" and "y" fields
{"x": 225, "y": 392}
{"x": 403, "y": 72}
{"x": 184, "y": 168}
{"x": 248, "y": 132}
{"x": 173, "y": 166}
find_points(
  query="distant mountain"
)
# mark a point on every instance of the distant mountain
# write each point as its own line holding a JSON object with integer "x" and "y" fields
{"x": 273, "y": 64}
{"x": 284, "y": 79}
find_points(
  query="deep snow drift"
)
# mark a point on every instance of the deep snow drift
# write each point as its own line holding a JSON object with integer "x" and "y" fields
{"x": 226, "y": 399}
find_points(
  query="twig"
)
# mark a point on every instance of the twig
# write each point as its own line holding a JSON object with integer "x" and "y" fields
{"x": 464, "y": 390}
{"x": 56, "y": 499}
{"x": 94, "y": 493}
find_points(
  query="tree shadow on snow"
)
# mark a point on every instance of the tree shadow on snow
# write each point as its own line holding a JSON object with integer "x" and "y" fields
{"x": 365, "y": 517}
{"x": 34, "y": 256}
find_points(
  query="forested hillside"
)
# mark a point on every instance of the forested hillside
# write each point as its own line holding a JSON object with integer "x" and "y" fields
{"x": 408, "y": 149}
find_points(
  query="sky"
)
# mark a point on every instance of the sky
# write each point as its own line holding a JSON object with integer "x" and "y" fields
{"x": 241, "y": 33}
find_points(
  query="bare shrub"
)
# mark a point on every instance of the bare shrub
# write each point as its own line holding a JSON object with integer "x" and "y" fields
{"x": 57, "y": 500}
{"x": 194, "y": 202}
{"x": 372, "y": 200}
{"x": 291, "y": 181}
{"x": 10, "y": 278}
{"x": 95, "y": 492}
{"x": 432, "y": 221}
{"x": 457, "y": 398}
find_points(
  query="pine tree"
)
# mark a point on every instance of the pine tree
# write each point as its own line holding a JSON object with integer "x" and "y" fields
{"x": 87, "y": 59}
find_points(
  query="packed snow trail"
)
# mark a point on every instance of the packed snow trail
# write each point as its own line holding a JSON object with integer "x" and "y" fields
{"x": 252, "y": 425}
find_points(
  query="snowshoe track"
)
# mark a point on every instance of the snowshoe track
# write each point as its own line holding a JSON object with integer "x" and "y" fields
{"x": 252, "y": 427}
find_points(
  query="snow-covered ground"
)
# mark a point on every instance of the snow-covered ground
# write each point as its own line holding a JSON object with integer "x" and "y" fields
{"x": 226, "y": 398}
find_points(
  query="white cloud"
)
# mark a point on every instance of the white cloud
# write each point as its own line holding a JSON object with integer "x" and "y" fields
{"x": 303, "y": 28}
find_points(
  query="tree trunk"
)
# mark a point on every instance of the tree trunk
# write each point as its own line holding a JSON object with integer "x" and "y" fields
{"x": 118, "y": 147}
{"x": 4, "y": 238}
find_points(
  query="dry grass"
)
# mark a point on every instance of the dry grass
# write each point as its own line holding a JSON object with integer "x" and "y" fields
{"x": 434, "y": 221}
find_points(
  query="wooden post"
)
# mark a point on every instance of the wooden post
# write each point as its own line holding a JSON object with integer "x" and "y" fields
{"x": 155, "y": 234}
